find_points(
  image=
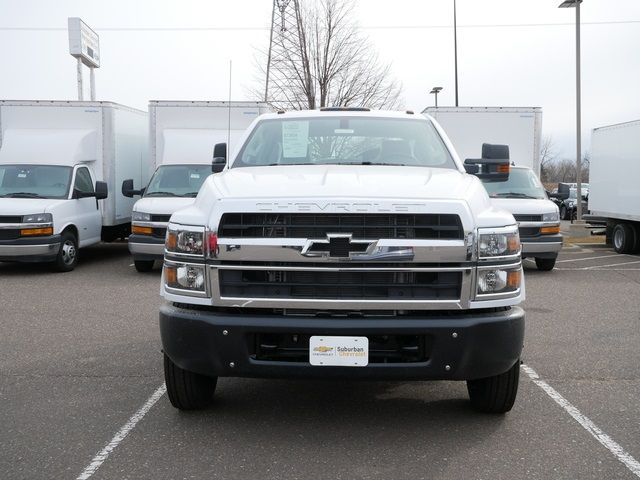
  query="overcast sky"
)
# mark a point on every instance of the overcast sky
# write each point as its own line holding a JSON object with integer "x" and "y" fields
{"x": 510, "y": 53}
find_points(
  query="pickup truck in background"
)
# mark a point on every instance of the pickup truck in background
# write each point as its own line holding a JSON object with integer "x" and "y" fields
{"x": 60, "y": 162}
{"x": 182, "y": 135}
{"x": 345, "y": 243}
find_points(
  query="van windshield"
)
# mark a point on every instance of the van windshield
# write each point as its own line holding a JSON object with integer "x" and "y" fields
{"x": 177, "y": 180}
{"x": 522, "y": 183}
{"x": 34, "y": 181}
{"x": 344, "y": 140}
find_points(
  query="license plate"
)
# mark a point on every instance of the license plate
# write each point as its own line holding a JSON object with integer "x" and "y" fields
{"x": 339, "y": 351}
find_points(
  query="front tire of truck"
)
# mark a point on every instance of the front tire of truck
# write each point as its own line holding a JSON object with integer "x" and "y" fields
{"x": 143, "y": 265}
{"x": 187, "y": 390}
{"x": 67, "y": 258}
{"x": 545, "y": 264}
{"x": 495, "y": 394}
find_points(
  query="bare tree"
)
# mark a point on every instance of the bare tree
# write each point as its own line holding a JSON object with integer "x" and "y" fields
{"x": 328, "y": 62}
{"x": 548, "y": 156}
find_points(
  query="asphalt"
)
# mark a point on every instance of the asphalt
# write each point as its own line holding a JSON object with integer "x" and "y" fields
{"x": 80, "y": 354}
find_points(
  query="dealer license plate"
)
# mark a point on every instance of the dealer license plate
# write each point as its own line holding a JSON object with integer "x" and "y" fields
{"x": 339, "y": 351}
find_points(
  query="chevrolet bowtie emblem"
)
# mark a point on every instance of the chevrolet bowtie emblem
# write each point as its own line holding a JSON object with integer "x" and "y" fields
{"x": 335, "y": 246}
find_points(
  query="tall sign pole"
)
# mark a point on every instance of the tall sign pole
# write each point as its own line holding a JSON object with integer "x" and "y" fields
{"x": 455, "y": 47}
{"x": 84, "y": 45}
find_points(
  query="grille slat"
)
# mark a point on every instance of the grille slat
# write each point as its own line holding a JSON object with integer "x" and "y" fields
{"x": 9, "y": 234}
{"x": 10, "y": 219}
{"x": 160, "y": 218}
{"x": 369, "y": 226}
{"x": 527, "y": 218}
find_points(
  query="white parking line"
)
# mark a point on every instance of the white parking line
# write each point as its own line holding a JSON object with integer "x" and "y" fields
{"x": 102, "y": 455}
{"x": 610, "y": 265}
{"x": 617, "y": 450}
{"x": 588, "y": 258}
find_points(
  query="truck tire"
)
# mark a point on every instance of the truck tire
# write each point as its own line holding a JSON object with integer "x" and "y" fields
{"x": 67, "y": 257}
{"x": 143, "y": 265}
{"x": 624, "y": 238}
{"x": 563, "y": 213}
{"x": 495, "y": 394}
{"x": 187, "y": 390}
{"x": 545, "y": 264}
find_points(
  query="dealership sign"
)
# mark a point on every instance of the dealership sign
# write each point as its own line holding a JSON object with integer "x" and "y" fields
{"x": 84, "y": 43}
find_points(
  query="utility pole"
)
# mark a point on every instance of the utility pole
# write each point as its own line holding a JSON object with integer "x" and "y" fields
{"x": 455, "y": 47}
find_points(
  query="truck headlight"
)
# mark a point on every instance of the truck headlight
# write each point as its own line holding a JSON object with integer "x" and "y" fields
{"x": 499, "y": 280}
{"x": 498, "y": 242}
{"x": 551, "y": 217}
{"x": 38, "y": 218}
{"x": 185, "y": 276}
{"x": 185, "y": 240}
{"x": 140, "y": 217}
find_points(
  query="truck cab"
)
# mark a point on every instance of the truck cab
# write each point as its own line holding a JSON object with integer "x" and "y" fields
{"x": 538, "y": 219}
{"x": 344, "y": 243}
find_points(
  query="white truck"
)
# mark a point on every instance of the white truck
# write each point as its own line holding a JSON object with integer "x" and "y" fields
{"x": 345, "y": 243}
{"x": 614, "y": 184}
{"x": 182, "y": 135}
{"x": 523, "y": 194}
{"x": 60, "y": 163}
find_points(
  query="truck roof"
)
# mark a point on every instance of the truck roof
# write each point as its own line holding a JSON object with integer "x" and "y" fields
{"x": 67, "y": 103}
{"x": 343, "y": 113}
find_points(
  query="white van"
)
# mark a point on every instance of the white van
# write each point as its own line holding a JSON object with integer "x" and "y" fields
{"x": 60, "y": 163}
{"x": 182, "y": 137}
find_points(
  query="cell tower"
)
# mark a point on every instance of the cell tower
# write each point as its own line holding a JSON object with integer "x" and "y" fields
{"x": 284, "y": 51}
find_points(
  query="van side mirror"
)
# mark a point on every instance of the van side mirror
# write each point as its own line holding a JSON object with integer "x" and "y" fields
{"x": 219, "y": 157}
{"x": 493, "y": 166}
{"x": 128, "y": 190}
{"x": 102, "y": 191}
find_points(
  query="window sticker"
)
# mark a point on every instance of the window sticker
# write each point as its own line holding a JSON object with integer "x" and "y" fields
{"x": 195, "y": 175}
{"x": 295, "y": 139}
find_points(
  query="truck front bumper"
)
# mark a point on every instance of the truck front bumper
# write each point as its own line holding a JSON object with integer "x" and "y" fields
{"x": 146, "y": 247}
{"x": 30, "y": 249}
{"x": 542, "y": 246}
{"x": 460, "y": 346}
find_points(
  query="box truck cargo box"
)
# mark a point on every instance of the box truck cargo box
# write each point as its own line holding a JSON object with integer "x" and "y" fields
{"x": 61, "y": 166}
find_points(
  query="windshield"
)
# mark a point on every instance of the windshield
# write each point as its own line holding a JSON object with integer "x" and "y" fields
{"x": 344, "y": 141}
{"x": 177, "y": 180}
{"x": 522, "y": 183}
{"x": 34, "y": 181}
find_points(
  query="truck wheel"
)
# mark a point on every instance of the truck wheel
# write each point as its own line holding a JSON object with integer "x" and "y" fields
{"x": 187, "y": 390}
{"x": 545, "y": 264}
{"x": 624, "y": 238}
{"x": 67, "y": 258}
{"x": 143, "y": 265}
{"x": 563, "y": 213}
{"x": 495, "y": 394}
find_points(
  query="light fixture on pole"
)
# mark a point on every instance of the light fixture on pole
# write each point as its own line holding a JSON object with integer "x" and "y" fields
{"x": 435, "y": 91}
{"x": 576, "y": 4}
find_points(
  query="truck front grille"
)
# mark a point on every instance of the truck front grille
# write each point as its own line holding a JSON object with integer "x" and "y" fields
{"x": 340, "y": 284}
{"x": 160, "y": 218}
{"x": 527, "y": 218}
{"x": 361, "y": 226}
{"x": 529, "y": 231}
{"x": 10, "y": 219}
{"x": 9, "y": 234}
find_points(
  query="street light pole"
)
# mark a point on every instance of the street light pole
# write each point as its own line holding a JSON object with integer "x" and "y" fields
{"x": 455, "y": 48}
{"x": 435, "y": 91}
{"x": 576, "y": 4}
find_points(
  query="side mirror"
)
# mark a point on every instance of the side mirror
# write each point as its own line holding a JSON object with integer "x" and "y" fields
{"x": 493, "y": 166}
{"x": 128, "y": 190}
{"x": 102, "y": 191}
{"x": 219, "y": 157}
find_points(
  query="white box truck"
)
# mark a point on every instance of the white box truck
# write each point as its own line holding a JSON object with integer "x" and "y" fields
{"x": 60, "y": 165}
{"x": 522, "y": 194}
{"x": 614, "y": 183}
{"x": 182, "y": 135}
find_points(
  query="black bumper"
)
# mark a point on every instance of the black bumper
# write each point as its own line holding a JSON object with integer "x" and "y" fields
{"x": 484, "y": 344}
{"x": 30, "y": 249}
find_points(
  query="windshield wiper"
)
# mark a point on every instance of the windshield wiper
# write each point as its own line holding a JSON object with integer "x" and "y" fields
{"x": 515, "y": 195}
{"x": 190, "y": 194}
{"x": 22, "y": 194}
{"x": 161, "y": 194}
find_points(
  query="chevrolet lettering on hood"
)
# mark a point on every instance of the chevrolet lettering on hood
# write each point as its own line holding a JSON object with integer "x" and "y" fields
{"x": 358, "y": 207}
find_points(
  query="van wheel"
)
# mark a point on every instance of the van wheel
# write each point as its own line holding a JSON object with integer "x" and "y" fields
{"x": 187, "y": 390}
{"x": 495, "y": 394}
{"x": 545, "y": 264}
{"x": 67, "y": 258}
{"x": 143, "y": 265}
{"x": 563, "y": 213}
{"x": 624, "y": 238}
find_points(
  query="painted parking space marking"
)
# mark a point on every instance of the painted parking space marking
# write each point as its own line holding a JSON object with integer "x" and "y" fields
{"x": 616, "y": 449}
{"x": 103, "y": 454}
{"x": 588, "y": 258}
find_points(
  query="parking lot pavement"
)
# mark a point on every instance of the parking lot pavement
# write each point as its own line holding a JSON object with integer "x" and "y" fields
{"x": 79, "y": 356}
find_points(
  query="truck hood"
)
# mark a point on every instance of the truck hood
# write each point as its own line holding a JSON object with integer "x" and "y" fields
{"x": 27, "y": 206}
{"x": 525, "y": 206}
{"x": 342, "y": 181}
{"x": 162, "y": 205}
